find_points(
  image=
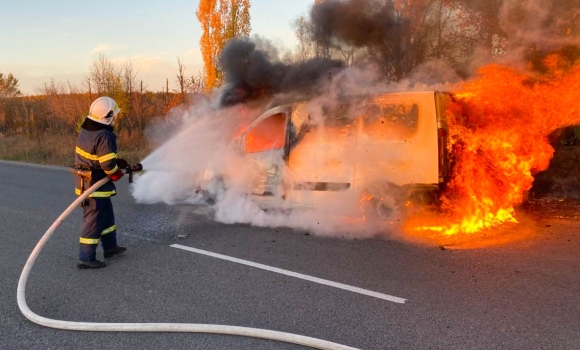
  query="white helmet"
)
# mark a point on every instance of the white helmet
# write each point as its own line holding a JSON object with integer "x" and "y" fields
{"x": 103, "y": 110}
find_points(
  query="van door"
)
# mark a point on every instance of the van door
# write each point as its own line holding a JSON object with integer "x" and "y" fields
{"x": 264, "y": 144}
{"x": 398, "y": 141}
{"x": 321, "y": 159}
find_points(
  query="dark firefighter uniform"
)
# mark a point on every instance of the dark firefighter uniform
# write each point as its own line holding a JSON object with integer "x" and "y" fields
{"x": 96, "y": 150}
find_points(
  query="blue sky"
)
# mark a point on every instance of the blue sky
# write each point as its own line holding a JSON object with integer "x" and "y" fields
{"x": 59, "y": 39}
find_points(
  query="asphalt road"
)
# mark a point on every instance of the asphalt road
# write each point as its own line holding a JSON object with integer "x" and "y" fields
{"x": 524, "y": 295}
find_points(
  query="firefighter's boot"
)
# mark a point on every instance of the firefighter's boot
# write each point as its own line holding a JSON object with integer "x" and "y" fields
{"x": 92, "y": 264}
{"x": 114, "y": 252}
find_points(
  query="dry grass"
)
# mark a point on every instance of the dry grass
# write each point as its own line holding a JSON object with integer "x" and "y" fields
{"x": 48, "y": 149}
{"x": 58, "y": 149}
{"x": 132, "y": 147}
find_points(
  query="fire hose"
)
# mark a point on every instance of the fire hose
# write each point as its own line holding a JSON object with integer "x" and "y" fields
{"x": 147, "y": 327}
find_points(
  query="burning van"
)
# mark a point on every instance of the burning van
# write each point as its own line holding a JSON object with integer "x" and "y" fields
{"x": 383, "y": 151}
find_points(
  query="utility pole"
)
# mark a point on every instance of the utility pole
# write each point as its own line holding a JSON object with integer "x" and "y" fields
{"x": 90, "y": 93}
{"x": 166, "y": 91}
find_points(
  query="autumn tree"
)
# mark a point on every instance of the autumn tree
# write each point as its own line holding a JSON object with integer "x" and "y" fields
{"x": 439, "y": 29}
{"x": 485, "y": 17}
{"x": 195, "y": 84}
{"x": 306, "y": 47}
{"x": 8, "y": 89}
{"x": 64, "y": 106}
{"x": 221, "y": 20}
{"x": 8, "y": 86}
{"x": 235, "y": 16}
{"x": 129, "y": 97}
{"x": 104, "y": 77}
{"x": 118, "y": 81}
{"x": 129, "y": 78}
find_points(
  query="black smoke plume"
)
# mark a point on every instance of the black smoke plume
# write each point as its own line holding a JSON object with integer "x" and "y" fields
{"x": 253, "y": 74}
{"x": 360, "y": 23}
{"x": 373, "y": 25}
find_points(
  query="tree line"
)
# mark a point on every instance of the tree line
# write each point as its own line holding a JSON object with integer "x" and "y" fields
{"x": 398, "y": 36}
{"x": 60, "y": 107}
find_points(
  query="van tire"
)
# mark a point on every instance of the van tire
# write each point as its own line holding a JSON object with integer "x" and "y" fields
{"x": 386, "y": 201}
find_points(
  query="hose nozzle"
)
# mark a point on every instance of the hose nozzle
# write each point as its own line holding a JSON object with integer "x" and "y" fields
{"x": 131, "y": 169}
{"x": 136, "y": 167}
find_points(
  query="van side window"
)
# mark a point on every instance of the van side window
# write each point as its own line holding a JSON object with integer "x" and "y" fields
{"x": 269, "y": 134}
{"x": 338, "y": 126}
{"x": 390, "y": 122}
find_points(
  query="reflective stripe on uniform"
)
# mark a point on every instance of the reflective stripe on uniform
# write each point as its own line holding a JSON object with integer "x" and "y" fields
{"x": 103, "y": 194}
{"x": 107, "y": 157}
{"x": 112, "y": 171}
{"x": 89, "y": 240}
{"x": 97, "y": 194}
{"x": 86, "y": 154}
{"x": 109, "y": 230}
{"x": 90, "y": 156}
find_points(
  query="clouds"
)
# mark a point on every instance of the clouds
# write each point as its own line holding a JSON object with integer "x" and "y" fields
{"x": 105, "y": 47}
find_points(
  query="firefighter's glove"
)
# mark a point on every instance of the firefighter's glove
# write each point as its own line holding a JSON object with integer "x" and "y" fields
{"x": 122, "y": 163}
{"x": 116, "y": 175}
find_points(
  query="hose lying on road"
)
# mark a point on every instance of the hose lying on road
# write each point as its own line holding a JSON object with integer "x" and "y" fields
{"x": 147, "y": 327}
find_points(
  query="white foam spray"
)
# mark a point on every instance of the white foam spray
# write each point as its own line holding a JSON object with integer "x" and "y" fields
{"x": 203, "y": 145}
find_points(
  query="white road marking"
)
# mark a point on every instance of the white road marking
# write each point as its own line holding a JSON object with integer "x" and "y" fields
{"x": 294, "y": 274}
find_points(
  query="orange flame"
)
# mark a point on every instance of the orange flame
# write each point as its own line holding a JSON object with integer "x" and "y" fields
{"x": 498, "y": 138}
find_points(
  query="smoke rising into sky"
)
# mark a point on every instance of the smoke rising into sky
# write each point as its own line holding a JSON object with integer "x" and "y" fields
{"x": 251, "y": 73}
{"x": 360, "y": 23}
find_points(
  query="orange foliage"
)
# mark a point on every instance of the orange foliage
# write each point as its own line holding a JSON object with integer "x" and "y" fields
{"x": 209, "y": 41}
{"x": 220, "y": 21}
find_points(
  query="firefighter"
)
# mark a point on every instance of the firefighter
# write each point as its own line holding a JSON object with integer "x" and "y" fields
{"x": 96, "y": 155}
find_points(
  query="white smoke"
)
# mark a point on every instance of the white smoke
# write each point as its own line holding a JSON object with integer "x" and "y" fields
{"x": 204, "y": 145}
{"x": 202, "y": 139}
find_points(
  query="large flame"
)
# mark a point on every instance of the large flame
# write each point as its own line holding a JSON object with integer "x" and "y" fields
{"x": 499, "y": 130}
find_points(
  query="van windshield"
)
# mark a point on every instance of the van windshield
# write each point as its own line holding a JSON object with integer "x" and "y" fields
{"x": 269, "y": 134}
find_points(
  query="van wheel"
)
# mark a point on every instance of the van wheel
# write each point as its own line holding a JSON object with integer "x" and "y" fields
{"x": 386, "y": 201}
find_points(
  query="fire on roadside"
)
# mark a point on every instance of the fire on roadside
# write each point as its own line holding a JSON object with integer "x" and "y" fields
{"x": 498, "y": 128}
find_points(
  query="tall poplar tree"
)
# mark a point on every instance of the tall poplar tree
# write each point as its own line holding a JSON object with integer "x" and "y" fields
{"x": 221, "y": 20}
